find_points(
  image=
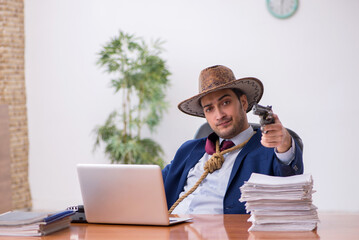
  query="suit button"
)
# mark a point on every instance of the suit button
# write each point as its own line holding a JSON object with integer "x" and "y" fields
{"x": 295, "y": 168}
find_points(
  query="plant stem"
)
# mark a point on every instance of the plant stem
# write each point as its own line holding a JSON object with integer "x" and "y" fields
{"x": 124, "y": 109}
{"x": 129, "y": 91}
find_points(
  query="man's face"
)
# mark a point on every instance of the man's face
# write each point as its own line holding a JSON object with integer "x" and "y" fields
{"x": 225, "y": 113}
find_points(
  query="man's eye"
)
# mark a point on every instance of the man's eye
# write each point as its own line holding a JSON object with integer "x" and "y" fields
{"x": 226, "y": 102}
{"x": 208, "y": 109}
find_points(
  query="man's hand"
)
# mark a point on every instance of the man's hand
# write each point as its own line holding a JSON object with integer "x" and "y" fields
{"x": 276, "y": 136}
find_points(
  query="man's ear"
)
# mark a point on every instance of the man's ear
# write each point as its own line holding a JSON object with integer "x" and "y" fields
{"x": 244, "y": 102}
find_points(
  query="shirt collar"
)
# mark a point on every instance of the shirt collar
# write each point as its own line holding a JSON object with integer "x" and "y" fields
{"x": 241, "y": 137}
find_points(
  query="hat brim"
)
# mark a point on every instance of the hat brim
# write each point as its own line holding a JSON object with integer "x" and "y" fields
{"x": 251, "y": 87}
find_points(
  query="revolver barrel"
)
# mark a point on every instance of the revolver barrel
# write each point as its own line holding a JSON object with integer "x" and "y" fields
{"x": 265, "y": 114}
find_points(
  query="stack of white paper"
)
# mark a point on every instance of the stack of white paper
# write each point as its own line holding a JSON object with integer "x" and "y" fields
{"x": 280, "y": 203}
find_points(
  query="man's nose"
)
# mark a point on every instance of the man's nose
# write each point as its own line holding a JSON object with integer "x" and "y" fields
{"x": 220, "y": 114}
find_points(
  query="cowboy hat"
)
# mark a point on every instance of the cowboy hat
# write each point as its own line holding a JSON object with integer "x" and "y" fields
{"x": 220, "y": 77}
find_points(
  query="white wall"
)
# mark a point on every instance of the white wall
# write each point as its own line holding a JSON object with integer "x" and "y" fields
{"x": 308, "y": 64}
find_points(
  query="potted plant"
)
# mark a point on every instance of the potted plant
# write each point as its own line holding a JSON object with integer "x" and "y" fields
{"x": 140, "y": 75}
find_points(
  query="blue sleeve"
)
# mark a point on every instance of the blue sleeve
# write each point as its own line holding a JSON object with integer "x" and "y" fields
{"x": 294, "y": 167}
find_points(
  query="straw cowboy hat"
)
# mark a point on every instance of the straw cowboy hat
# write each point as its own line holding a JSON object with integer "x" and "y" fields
{"x": 220, "y": 77}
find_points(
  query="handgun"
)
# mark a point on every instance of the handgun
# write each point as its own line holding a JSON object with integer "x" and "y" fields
{"x": 265, "y": 114}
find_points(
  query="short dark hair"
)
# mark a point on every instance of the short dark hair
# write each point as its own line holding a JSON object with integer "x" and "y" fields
{"x": 238, "y": 93}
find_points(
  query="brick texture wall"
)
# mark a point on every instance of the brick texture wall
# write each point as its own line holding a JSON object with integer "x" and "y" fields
{"x": 12, "y": 93}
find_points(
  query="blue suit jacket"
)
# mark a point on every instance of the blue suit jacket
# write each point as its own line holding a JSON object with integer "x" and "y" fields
{"x": 253, "y": 158}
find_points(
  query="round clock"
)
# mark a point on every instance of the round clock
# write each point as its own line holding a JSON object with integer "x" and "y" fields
{"x": 282, "y": 8}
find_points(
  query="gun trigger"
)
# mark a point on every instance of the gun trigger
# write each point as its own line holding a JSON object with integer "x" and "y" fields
{"x": 262, "y": 129}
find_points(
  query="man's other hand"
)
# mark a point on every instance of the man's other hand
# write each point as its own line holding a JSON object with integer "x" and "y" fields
{"x": 276, "y": 136}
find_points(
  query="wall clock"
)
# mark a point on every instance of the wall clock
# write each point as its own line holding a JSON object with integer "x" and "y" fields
{"x": 282, "y": 8}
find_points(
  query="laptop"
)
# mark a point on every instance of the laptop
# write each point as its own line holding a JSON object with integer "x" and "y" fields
{"x": 124, "y": 194}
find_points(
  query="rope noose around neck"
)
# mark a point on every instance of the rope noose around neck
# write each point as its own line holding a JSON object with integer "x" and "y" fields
{"x": 213, "y": 164}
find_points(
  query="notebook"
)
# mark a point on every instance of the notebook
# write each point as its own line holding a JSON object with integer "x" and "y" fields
{"x": 124, "y": 194}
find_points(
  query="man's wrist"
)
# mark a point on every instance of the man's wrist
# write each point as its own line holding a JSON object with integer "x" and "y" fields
{"x": 288, "y": 156}
{"x": 286, "y": 145}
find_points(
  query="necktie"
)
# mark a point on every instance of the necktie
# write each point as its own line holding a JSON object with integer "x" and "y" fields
{"x": 211, "y": 144}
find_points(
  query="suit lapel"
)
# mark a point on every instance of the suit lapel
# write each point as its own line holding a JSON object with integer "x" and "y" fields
{"x": 191, "y": 160}
{"x": 252, "y": 144}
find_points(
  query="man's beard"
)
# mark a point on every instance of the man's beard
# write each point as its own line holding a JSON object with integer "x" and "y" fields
{"x": 233, "y": 130}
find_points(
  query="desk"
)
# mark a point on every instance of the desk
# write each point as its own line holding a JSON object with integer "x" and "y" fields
{"x": 332, "y": 226}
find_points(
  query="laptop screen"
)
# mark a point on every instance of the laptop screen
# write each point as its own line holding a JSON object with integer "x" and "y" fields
{"x": 123, "y": 194}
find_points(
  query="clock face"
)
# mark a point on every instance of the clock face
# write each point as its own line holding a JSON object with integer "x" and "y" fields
{"x": 282, "y": 8}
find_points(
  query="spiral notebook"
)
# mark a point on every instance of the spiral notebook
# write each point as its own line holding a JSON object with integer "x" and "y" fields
{"x": 124, "y": 194}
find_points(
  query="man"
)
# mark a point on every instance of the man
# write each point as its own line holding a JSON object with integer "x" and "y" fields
{"x": 224, "y": 102}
